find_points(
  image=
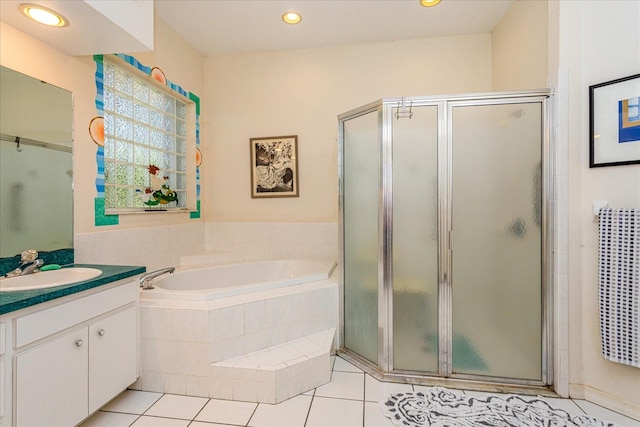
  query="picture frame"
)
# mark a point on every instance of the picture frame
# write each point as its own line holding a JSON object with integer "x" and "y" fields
{"x": 274, "y": 166}
{"x": 614, "y": 122}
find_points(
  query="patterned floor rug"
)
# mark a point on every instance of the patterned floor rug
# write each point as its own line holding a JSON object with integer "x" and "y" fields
{"x": 440, "y": 407}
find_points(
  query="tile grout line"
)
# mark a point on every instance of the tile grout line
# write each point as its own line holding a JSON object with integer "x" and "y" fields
{"x": 134, "y": 421}
{"x": 198, "y": 413}
{"x": 253, "y": 413}
{"x": 313, "y": 396}
{"x": 341, "y": 398}
{"x": 579, "y": 407}
{"x": 118, "y": 412}
{"x": 364, "y": 396}
{"x": 602, "y": 407}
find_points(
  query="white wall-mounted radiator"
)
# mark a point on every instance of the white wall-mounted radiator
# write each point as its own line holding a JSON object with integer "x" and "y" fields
{"x": 619, "y": 285}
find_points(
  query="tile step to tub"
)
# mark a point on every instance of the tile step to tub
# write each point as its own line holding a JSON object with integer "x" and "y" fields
{"x": 277, "y": 373}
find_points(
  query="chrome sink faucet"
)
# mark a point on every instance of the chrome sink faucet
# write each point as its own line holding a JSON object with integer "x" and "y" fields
{"x": 145, "y": 280}
{"x": 29, "y": 263}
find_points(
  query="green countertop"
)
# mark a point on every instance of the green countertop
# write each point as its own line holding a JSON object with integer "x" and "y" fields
{"x": 16, "y": 300}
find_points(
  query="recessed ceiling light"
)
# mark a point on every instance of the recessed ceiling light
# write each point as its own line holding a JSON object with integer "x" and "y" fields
{"x": 429, "y": 3}
{"x": 43, "y": 15}
{"x": 291, "y": 17}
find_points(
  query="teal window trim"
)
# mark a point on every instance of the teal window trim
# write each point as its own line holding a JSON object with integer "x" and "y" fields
{"x": 101, "y": 219}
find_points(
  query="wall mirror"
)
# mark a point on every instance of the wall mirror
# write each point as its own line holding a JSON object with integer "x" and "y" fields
{"x": 36, "y": 169}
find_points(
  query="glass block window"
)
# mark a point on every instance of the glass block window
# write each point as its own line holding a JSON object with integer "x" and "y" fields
{"x": 145, "y": 143}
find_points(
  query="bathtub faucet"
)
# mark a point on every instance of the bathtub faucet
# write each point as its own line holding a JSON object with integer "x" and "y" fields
{"x": 145, "y": 280}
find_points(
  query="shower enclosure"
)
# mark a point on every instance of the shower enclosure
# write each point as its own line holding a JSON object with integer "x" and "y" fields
{"x": 444, "y": 240}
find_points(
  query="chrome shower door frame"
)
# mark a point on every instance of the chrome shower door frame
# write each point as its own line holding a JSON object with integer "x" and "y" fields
{"x": 445, "y": 104}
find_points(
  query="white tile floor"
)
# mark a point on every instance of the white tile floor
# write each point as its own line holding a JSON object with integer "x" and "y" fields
{"x": 350, "y": 399}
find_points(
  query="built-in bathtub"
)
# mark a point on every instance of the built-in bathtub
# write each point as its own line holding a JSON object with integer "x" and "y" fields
{"x": 259, "y": 331}
{"x": 220, "y": 281}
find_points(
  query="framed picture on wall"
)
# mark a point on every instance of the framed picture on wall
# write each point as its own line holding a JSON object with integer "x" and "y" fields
{"x": 614, "y": 122}
{"x": 274, "y": 166}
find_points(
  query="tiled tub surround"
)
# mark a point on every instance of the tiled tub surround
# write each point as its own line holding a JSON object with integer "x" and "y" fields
{"x": 274, "y": 240}
{"x": 146, "y": 246}
{"x": 265, "y": 346}
{"x": 253, "y": 240}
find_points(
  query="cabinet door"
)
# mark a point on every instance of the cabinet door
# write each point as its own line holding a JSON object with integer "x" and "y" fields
{"x": 51, "y": 382}
{"x": 112, "y": 356}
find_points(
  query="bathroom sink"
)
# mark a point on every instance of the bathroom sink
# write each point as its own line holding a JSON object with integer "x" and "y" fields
{"x": 48, "y": 279}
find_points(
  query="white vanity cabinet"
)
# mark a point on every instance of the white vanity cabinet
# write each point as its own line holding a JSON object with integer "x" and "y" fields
{"x": 51, "y": 382}
{"x": 112, "y": 356}
{"x": 71, "y": 357}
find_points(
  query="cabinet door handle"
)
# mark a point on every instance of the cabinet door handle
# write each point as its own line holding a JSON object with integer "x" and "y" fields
{"x": 101, "y": 332}
{"x": 79, "y": 343}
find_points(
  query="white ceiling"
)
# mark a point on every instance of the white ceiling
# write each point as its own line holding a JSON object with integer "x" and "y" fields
{"x": 216, "y": 27}
{"x": 125, "y": 23}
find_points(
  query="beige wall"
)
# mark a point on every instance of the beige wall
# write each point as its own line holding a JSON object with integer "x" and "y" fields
{"x": 180, "y": 63}
{"x": 301, "y": 92}
{"x": 598, "y": 41}
{"x": 519, "y": 42}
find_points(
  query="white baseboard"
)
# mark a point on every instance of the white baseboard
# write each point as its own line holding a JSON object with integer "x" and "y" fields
{"x": 599, "y": 397}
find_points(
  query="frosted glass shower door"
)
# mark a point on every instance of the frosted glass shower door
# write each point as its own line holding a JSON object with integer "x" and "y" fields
{"x": 360, "y": 191}
{"x": 497, "y": 240}
{"x": 415, "y": 241}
